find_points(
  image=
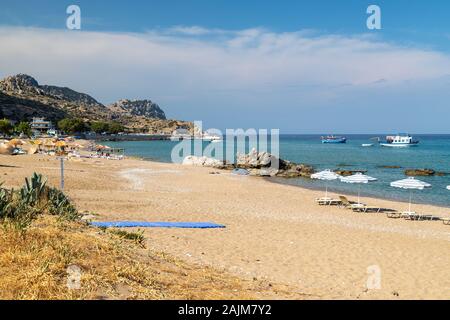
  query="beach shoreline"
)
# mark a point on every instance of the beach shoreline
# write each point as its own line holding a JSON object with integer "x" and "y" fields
{"x": 274, "y": 232}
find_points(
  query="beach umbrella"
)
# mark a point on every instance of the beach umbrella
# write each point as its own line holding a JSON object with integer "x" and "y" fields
{"x": 15, "y": 142}
{"x": 326, "y": 175}
{"x": 359, "y": 179}
{"x": 60, "y": 144}
{"x": 410, "y": 184}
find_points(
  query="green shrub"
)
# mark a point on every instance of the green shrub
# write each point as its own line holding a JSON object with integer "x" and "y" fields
{"x": 19, "y": 208}
{"x": 59, "y": 204}
{"x": 33, "y": 192}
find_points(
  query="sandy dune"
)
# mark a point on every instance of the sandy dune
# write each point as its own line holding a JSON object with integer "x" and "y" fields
{"x": 274, "y": 232}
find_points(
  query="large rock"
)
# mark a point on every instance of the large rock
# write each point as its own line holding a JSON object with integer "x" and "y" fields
{"x": 423, "y": 172}
{"x": 346, "y": 173}
{"x": 254, "y": 160}
{"x": 265, "y": 164}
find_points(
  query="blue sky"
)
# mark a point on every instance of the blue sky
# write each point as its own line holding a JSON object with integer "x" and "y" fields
{"x": 261, "y": 64}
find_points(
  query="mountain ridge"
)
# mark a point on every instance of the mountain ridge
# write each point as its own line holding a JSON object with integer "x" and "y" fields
{"x": 22, "y": 97}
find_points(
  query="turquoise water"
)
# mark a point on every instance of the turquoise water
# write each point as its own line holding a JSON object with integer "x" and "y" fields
{"x": 433, "y": 152}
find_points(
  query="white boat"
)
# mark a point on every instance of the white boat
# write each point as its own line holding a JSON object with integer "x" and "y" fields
{"x": 400, "y": 141}
{"x": 211, "y": 137}
{"x": 180, "y": 134}
{"x": 367, "y": 145}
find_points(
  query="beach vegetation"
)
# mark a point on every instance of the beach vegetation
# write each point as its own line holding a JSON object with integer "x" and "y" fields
{"x": 23, "y": 127}
{"x": 135, "y": 236}
{"x": 72, "y": 125}
{"x": 20, "y": 207}
{"x": 6, "y": 127}
{"x": 107, "y": 127}
{"x": 99, "y": 126}
{"x": 115, "y": 127}
{"x": 36, "y": 265}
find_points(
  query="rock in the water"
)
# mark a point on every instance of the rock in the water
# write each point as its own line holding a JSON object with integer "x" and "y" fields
{"x": 420, "y": 172}
{"x": 424, "y": 172}
{"x": 346, "y": 173}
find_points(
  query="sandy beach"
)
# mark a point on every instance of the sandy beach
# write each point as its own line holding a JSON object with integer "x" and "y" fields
{"x": 274, "y": 232}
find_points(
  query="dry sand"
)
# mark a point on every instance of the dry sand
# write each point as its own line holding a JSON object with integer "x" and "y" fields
{"x": 273, "y": 232}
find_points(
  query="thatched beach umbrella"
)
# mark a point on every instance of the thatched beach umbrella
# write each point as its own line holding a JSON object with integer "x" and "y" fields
{"x": 326, "y": 175}
{"x": 15, "y": 142}
{"x": 6, "y": 149}
{"x": 358, "y": 178}
{"x": 60, "y": 144}
{"x": 49, "y": 143}
{"x": 410, "y": 184}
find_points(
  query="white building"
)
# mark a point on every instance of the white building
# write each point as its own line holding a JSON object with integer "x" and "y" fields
{"x": 40, "y": 126}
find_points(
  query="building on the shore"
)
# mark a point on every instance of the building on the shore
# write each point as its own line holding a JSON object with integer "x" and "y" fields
{"x": 40, "y": 126}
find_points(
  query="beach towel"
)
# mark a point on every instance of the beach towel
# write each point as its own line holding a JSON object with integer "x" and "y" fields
{"x": 143, "y": 224}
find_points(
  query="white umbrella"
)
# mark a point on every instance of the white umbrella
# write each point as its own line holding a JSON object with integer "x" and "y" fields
{"x": 358, "y": 178}
{"x": 326, "y": 175}
{"x": 410, "y": 184}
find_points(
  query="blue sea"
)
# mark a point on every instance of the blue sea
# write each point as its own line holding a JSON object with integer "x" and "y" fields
{"x": 433, "y": 152}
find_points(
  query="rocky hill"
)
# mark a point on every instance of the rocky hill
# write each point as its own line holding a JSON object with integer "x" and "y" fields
{"x": 145, "y": 108}
{"x": 22, "y": 97}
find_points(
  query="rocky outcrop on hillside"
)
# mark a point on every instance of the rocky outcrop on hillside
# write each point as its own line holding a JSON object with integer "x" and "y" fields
{"x": 145, "y": 108}
{"x": 22, "y": 97}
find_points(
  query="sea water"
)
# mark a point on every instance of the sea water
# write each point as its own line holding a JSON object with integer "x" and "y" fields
{"x": 433, "y": 152}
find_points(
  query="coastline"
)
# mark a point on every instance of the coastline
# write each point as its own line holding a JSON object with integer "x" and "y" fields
{"x": 305, "y": 149}
{"x": 275, "y": 233}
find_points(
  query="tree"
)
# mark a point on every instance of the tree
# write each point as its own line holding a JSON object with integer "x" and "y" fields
{"x": 100, "y": 127}
{"x": 115, "y": 127}
{"x": 72, "y": 125}
{"x": 6, "y": 127}
{"x": 23, "y": 128}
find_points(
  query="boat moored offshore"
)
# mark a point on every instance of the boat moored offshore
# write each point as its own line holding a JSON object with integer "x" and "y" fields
{"x": 334, "y": 139}
{"x": 400, "y": 141}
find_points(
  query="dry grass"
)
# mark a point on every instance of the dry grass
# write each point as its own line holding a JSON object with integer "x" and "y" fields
{"x": 33, "y": 265}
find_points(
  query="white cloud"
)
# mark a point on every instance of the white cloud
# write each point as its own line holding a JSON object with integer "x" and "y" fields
{"x": 203, "y": 68}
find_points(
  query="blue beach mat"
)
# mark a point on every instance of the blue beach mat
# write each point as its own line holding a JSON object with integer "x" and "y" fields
{"x": 143, "y": 224}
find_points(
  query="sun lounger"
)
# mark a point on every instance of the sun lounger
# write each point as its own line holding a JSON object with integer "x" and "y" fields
{"x": 328, "y": 201}
{"x": 365, "y": 208}
{"x": 359, "y": 207}
{"x": 394, "y": 215}
{"x": 416, "y": 216}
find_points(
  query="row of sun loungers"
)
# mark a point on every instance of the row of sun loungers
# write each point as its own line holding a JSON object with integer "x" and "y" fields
{"x": 343, "y": 202}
